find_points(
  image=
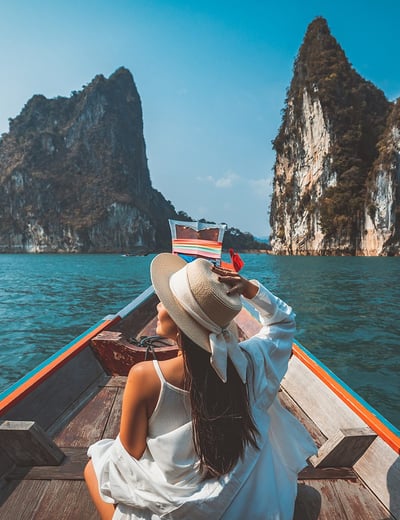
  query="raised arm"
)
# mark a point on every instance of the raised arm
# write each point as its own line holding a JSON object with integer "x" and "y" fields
{"x": 271, "y": 347}
{"x": 238, "y": 284}
{"x": 277, "y": 318}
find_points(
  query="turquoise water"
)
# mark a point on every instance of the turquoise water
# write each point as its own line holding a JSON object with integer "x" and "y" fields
{"x": 348, "y": 310}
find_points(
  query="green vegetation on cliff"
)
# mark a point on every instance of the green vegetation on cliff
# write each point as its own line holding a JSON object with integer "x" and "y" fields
{"x": 355, "y": 112}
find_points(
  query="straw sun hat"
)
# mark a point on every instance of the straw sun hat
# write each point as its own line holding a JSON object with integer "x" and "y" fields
{"x": 199, "y": 305}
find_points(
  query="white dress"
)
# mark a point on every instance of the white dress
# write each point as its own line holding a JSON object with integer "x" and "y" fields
{"x": 164, "y": 482}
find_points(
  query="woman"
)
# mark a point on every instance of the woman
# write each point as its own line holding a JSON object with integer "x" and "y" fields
{"x": 203, "y": 435}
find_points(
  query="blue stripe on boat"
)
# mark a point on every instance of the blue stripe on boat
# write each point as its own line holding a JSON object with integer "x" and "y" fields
{"x": 47, "y": 361}
{"x": 356, "y": 396}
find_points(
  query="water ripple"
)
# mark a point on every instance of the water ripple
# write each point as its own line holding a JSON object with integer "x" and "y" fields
{"x": 348, "y": 310}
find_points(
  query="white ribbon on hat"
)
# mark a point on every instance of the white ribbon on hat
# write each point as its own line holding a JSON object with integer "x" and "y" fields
{"x": 222, "y": 342}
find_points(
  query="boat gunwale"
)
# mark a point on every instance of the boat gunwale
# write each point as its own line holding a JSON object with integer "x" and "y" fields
{"x": 249, "y": 324}
{"x": 349, "y": 397}
{"x": 26, "y": 384}
{"x": 369, "y": 415}
{"x": 379, "y": 424}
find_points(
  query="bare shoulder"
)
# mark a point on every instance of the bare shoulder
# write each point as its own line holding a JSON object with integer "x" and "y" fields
{"x": 142, "y": 369}
{"x": 143, "y": 380}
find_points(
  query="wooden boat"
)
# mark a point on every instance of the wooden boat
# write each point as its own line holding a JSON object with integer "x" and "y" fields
{"x": 50, "y": 417}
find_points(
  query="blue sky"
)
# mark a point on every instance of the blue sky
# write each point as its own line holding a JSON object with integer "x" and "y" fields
{"x": 212, "y": 76}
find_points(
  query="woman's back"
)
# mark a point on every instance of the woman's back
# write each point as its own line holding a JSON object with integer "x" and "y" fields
{"x": 164, "y": 479}
{"x": 173, "y": 405}
{"x": 173, "y": 371}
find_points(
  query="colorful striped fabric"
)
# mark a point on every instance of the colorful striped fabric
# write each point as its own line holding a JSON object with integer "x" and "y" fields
{"x": 197, "y": 247}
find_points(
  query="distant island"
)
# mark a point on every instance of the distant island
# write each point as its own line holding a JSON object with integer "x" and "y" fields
{"x": 74, "y": 177}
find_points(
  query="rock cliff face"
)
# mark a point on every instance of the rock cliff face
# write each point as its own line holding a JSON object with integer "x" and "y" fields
{"x": 74, "y": 175}
{"x": 381, "y": 230}
{"x": 337, "y": 158}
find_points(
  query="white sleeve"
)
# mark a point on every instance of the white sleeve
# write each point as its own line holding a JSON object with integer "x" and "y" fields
{"x": 271, "y": 347}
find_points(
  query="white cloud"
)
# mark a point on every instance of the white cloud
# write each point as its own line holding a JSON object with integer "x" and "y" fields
{"x": 226, "y": 181}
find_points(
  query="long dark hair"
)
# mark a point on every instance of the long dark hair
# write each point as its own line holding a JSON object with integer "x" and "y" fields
{"x": 221, "y": 416}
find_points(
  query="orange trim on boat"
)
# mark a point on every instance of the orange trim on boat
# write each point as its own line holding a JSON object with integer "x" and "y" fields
{"x": 34, "y": 381}
{"x": 350, "y": 400}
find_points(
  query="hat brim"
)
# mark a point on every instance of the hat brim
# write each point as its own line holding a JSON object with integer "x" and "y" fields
{"x": 162, "y": 268}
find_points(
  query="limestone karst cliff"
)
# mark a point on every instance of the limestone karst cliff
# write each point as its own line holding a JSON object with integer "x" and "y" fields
{"x": 337, "y": 158}
{"x": 74, "y": 175}
{"x": 381, "y": 227}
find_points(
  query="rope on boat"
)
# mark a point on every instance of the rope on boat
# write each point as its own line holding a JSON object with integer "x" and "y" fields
{"x": 150, "y": 343}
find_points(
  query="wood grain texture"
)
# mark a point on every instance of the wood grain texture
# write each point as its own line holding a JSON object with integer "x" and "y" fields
{"x": 22, "y": 503}
{"x": 288, "y": 402}
{"x": 344, "y": 448}
{"x": 49, "y": 400}
{"x": 379, "y": 468}
{"x": 66, "y": 500}
{"x": 114, "y": 419}
{"x": 71, "y": 468}
{"x": 89, "y": 424}
{"x": 338, "y": 499}
{"x": 327, "y": 411}
{"x": 28, "y": 444}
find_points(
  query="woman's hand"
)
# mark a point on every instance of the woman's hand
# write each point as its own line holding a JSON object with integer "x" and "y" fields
{"x": 238, "y": 284}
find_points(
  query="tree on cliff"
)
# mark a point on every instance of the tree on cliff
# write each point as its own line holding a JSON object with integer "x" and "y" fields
{"x": 355, "y": 113}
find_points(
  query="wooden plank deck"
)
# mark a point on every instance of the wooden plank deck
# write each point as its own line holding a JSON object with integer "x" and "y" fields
{"x": 59, "y": 492}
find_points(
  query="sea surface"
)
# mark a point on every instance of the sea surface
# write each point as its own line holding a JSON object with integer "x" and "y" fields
{"x": 348, "y": 310}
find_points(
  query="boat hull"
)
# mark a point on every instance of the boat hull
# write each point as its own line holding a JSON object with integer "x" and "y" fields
{"x": 76, "y": 396}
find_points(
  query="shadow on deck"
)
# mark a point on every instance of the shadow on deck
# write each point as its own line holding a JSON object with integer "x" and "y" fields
{"x": 59, "y": 492}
